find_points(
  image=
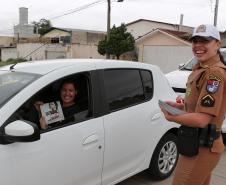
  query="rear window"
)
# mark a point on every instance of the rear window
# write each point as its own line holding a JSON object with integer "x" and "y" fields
{"x": 13, "y": 82}
{"x": 126, "y": 87}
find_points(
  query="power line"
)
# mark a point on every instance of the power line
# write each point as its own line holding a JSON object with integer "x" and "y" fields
{"x": 78, "y": 9}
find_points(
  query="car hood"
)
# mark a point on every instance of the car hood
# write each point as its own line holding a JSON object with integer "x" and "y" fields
{"x": 178, "y": 78}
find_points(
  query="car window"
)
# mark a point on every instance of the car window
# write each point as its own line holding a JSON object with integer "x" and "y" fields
{"x": 123, "y": 88}
{"x": 51, "y": 95}
{"x": 13, "y": 82}
{"x": 147, "y": 84}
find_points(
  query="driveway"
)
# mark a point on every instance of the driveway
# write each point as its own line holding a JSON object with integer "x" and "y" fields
{"x": 218, "y": 178}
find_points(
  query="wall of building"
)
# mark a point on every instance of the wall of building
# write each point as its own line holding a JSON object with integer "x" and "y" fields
{"x": 40, "y": 51}
{"x": 7, "y": 53}
{"x": 6, "y": 41}
{"x": 80, "y": 37}
{"x": 142, "y": 27}
{"x": 85, "y": 51}
{"x": 24, "y": 31}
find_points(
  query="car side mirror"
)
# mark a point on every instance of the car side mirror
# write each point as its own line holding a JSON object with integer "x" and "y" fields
{"x": 19, "y": 131}
{"x": 181, "y": 65}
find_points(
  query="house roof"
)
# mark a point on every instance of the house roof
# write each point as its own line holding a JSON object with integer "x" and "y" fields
{"x": 139, "y": 20}
{"x": 178, "y": 35}
{"x": 78, "y": 30}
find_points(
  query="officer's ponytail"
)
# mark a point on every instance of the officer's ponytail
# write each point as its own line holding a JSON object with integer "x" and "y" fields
{"x": 221, "y": 57}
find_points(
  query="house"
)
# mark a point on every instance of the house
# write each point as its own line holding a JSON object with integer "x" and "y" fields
{"x": 163, "y": 44}
{"x": 83, "y": 43}
{"x": 164, "y": 48}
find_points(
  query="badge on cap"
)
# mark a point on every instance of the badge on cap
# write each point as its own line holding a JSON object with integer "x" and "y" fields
{"x": 207, "y": 101}
{"x": 201, "y": 28}
{"x": 213, "y": 84}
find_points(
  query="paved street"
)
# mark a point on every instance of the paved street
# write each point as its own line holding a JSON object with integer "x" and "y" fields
{"x": 218, "y": 178}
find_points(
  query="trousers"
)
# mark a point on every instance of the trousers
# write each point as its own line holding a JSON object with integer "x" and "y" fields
{"x": 196, "y": 170}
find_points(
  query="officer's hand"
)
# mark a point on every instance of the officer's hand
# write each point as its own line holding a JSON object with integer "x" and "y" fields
{"x": 167, "y": 115}
{"x": 175, "y": 104}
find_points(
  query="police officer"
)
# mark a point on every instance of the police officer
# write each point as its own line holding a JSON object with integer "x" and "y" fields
{"x": 205, "y": 104}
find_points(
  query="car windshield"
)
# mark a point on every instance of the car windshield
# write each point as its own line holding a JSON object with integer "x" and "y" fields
{"x": 188, "y": 66}
{"x": 12, "y": 82}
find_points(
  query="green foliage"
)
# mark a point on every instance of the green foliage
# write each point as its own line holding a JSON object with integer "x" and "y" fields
{"x": 12, "y": 61}
{"x": 120, "y": 42}
{"x": 102, "y": 46}
{"x": 43, "y": 26}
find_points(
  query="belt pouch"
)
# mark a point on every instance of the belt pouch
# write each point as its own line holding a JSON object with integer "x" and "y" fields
{"x": 208, "y": 135}
{"x": 188, "y": 141}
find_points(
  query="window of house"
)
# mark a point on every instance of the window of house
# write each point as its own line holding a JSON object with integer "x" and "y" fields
{"x": 123, "y": 88}
{"x": 65, "y": 39}
{"x": 55, "y": 40}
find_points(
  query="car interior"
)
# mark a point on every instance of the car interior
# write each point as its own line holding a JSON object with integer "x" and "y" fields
{"x": 51, "y": 93}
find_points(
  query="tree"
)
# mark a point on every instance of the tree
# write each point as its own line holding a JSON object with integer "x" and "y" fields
{"x": 120, "y": 41}
{"x": 43, "y": 26}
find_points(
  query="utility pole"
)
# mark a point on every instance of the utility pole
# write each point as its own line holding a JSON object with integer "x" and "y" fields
{"x": 109, "y": 23}
{"x": 216, "y": 13}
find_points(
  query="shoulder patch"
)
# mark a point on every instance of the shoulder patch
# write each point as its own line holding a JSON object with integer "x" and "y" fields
{"x": 214, "y": 77}
{"x": 213, "y": 83}
{"x": 212, "y": 86}
{"x": 207, "y": 101}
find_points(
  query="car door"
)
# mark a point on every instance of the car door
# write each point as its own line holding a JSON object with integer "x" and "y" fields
{"x": 127, "y": 127}
{"x": 66, "y": 155}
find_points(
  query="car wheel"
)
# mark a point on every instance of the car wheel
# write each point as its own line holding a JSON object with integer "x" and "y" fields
{"x": 164, "y": 158}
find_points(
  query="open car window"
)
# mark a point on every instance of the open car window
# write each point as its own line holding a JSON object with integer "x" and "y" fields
{"x": 50, "y": 95}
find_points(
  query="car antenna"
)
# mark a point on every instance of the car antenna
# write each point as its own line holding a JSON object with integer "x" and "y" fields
{"x": 12, "y": 66}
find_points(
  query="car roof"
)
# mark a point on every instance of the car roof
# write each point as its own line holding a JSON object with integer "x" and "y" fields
{"x": 46, "y": 66}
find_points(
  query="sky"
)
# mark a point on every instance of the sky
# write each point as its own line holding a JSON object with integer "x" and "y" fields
{"x": 76, "y": 14}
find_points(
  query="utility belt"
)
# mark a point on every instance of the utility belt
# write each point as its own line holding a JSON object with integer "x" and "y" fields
{"x": 191, "y": 138}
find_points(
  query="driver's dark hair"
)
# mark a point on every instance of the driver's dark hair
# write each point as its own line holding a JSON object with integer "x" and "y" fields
{"x": 68, "y": 81}
{"x": 221, "y": 57}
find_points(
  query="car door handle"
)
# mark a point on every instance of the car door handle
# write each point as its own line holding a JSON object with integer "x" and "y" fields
{"x": 156, "y": 116}
{"x": 90, "y": 139}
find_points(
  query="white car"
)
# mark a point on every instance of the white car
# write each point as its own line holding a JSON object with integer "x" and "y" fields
{"x": 178, "y": 79}
{"x": 119, "y": 131}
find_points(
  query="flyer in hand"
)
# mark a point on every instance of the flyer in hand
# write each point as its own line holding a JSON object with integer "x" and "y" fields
{"x": 52, "y": 112}
{"x": 172, "y": 110}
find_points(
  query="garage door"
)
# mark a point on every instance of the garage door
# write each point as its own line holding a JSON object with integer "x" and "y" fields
{"x": 167, "y": 57}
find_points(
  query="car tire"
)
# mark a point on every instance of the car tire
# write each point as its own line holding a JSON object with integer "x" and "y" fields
{"x": 164, "y": 158}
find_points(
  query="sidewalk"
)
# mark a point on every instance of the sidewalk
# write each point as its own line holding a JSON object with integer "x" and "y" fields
{"x": 218, "y": 177}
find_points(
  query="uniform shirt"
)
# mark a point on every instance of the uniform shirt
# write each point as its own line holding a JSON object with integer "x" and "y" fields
{"x": 206, "y": 93}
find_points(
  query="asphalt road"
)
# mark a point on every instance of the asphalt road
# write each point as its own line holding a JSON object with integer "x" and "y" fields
{"x": 218, "y": 178}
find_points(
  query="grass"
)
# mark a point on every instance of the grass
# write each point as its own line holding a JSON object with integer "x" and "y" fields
{"x": 11, "y": 61}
